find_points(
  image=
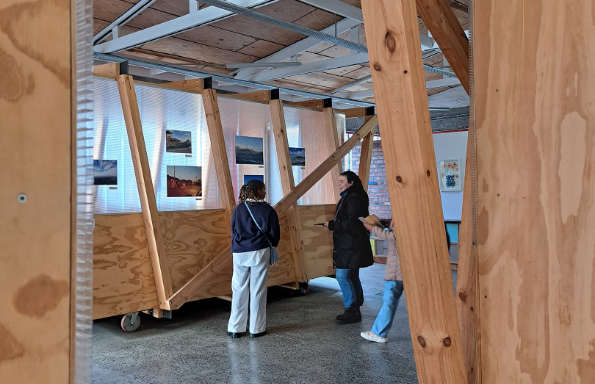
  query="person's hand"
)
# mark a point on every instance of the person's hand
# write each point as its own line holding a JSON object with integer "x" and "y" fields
{"x": 368, "y": 226}
{"x": 325, "y": 224}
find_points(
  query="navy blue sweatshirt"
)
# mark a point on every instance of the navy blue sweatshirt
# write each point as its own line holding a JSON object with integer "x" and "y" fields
{"x": 245, "y": 236}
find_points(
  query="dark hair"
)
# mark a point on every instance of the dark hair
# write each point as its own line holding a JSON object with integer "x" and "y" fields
{"x": 352, "y": 177}
{"x": 253, "y": 187}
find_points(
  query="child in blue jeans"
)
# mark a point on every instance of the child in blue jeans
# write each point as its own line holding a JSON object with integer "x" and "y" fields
{"x": 393, "y": 284}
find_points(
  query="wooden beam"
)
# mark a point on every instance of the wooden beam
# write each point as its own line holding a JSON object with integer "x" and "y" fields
{"x": 467, "y": 274}
{"x": 315, "y": 105}
{"x": 107, "y": 70}
{"x": 397, "y": 73}
{"x": 262, "y": 97}
{"x": 534, "y": 114}
{"x": 287, "y": 184}
{"x": 146, "y": 190}
{"x": 329, "y": 129}
{"x": 325, "y": 166}
{"x": 218, "y": 149}
{"x": 365, "y": 159}
{"x": 356, "y": 112}
{"x": 446, "y": 30}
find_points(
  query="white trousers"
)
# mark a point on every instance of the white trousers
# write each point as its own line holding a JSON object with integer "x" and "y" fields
{"x": 249, "y": 285}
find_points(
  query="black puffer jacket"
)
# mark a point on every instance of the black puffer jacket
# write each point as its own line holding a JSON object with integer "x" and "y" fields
{"x": 351, "y": 240}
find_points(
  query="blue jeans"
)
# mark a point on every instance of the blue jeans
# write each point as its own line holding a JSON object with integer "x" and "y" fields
{"x": 351, "y": 287}
{"x": 393, "y": 289}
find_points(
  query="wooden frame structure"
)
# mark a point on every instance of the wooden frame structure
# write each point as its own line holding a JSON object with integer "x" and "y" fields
{"x": 166, "y": 275}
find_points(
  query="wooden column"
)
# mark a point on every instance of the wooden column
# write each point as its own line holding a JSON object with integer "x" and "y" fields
{"x": 467, "y": 291}
{"x": 329, "y": 134}
{"x": 209, "y": 99}
{"x": 35, "y": 194}
{"x": 534, "y": 105}
{"x": 395, "y": 60}
{"x": 446, "y": 30}
{"x": 146, "y": 191}
{"x": 287, "y": 184}
{"x": 365, "y": 158}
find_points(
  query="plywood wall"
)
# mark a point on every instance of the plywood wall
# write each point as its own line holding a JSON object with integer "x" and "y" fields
{"x": 35, "y": 152}
{"x": 123, "y": 277}
{"x": 535, "y": 116}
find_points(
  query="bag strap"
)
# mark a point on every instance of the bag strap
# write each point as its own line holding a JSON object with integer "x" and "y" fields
{"x": 257, "y": 226}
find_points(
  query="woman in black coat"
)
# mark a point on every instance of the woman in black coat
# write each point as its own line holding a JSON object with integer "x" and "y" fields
{"x": 351, "y": 244}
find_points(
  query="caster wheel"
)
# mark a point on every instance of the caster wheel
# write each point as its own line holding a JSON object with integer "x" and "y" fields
{"x": 130, "y": 322}
{"x": 304, "y": 288}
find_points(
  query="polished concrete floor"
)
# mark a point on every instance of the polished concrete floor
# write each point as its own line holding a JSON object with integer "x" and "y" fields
{"x": 303, "y": 345}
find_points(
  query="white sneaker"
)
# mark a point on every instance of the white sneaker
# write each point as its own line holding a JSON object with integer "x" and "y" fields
{"x": 368, "y": 335}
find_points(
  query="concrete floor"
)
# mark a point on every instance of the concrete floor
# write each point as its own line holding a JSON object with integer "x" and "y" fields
{"x": 303, "y": 345}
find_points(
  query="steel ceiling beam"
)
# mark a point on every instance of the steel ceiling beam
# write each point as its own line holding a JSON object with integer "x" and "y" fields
{"x": 171, "y": 27}
{"x": 122, "y": 20}
{"x": 338, "y": 7}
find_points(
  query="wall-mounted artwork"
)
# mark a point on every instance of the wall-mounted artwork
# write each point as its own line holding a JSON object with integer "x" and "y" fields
{"x": 249, "y": 150}
{"x": 105, "y": 172}
{"x": 247, "y": 178}
{"x": 178, "y": 141}
{"x": 450, "y": 176}
{"x": 298, "y": 156}
{"x": 184, "y": 181}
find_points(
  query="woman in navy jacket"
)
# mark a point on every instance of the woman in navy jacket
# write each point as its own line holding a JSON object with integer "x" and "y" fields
{"x": 254, "y": 230}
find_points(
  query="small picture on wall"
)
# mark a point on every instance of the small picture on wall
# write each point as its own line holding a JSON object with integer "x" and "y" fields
{"x": 450, "y": 176}
{"x": 249, "y": 150}
{"x": 178, "y": 141}
{"x": 247, "y": 178}
{"x": 105, "y": 172}
{"x": 298, "y": 156}
{"x": 184, "y": 181}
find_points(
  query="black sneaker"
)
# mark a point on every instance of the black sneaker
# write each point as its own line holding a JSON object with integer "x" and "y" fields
{"x": 254, "y": 335}
{"x": 351, "y": 315}
{"x": 235, "y": 335}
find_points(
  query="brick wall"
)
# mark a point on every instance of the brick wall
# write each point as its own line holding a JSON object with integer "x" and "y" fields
{"x": 377, "y": 188}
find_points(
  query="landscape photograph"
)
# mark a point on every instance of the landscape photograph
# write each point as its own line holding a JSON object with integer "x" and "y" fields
{"x": 178, "y": 141}
{"x": 184, "y": 181}
{"x": 298, "y": 156}
{"x": 249, "y": 150}
{"x": 105, "y": 172}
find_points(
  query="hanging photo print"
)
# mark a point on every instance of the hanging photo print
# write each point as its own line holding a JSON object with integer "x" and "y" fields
{"x": 178, "y": 141}
{"x": 450, "y": 176}
{"x": 184, "y": 181}
{"x": 105, "y": 172}
{"x": 298, "y": 156}
{"x": 249, "y": 150}
{"x": 247, "y": 178}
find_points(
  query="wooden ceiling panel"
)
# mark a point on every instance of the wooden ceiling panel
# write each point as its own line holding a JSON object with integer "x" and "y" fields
{"x": 309, "y": 57}
{"x": 318, "y": 20}
{"x": 320, "y": 79}
{"x": 184, "y": 48}
{"x": 338, "y": 51}
{"x": 344, "y": 72}
{"x": 109, "y": 10}
{"x": 258, "y": 30}
{"x": 217, "y": 37}
{"x": 261, "y": 48}
{"x": 303, "y": 86}
{"x": 359, "y": 73}
{"x": 286, "y": 10}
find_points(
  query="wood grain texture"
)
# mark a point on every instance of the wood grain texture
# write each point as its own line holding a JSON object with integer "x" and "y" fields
{"x": 35, "y": 147}
{"x": 193, "y": 239}
{"x": 402, "y": 107}
{"x": 467, "y": 296}
{"x": 365, "y": 159}
{"x": 328, "y": 134}
{"x": 317, "y": 242}
{"x": 107, "y": 70}
{"x": 217, "y": 140}
{"x": 146, "y": 190}
{"x": 534, "y": 105}
{"x": 123, "y": 278}
{"x": 440, "y": 19}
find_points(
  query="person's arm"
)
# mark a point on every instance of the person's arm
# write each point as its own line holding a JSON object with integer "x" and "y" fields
{"x": 275, "y": 230}
{"x": 349, "y": 217}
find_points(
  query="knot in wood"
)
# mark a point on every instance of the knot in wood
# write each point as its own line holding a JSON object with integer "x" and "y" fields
{"x": 447, "y": 341}
{"x": 399, "y": 179}
{"x": 390, "y": 42}
{"x": 421, "y": 341}
{"x": 377, "y": 67}
{"x": 463, "y": 296}
{"x": 428, "y": 173}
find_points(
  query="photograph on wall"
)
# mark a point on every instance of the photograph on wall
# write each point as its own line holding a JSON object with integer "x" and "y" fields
{"x": 298, "y": 156}
{"x": 247, "y": 178}
{"x": 249, "y": 150}
{"x": 184, "y": 181}
{"x": 178, "y": 141}
{"x": 105, "y": 172}
{"x": 450, "y": 176}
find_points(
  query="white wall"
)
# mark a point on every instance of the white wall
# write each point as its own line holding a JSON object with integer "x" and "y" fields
{"x": 450, "y": 146}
